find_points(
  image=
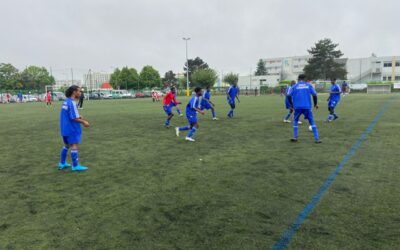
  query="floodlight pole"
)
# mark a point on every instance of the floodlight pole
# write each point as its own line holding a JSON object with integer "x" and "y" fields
{"x": 187, "y": 65}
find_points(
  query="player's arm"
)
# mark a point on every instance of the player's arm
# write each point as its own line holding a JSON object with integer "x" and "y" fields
{"x": 82, "y": 121}
{"x": 315, "y": 100}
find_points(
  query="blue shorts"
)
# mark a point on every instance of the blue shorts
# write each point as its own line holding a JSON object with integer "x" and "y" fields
{"x": 232, "y": 103}
{"x": 168, "y": 109}
{"x": 72, "y": 139}
{"x": 287, "y": 104}
{"x": 205, "y": 105}
{"x": 192, "y": 118}
{"x": 332, "y": 104}
{"x": 307, "y": 115}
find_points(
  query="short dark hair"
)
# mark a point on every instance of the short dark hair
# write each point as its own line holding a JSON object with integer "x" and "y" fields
{"x": 172, "y": 89}
{"x": 71, "y": 90}
{"x": 302, "y": 77}
{"x": 197, "y": 90}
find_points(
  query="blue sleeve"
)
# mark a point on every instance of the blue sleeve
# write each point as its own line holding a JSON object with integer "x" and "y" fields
{"x": 290, "y": 91}
{"x": 72, "y": 111}
{"x": 193, "y": 102}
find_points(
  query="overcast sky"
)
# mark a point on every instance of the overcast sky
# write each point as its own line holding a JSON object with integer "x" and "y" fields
{"x": 229, "y": 35}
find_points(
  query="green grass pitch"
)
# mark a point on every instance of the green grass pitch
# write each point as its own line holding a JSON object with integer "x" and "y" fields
{"x": 147, "y": 189}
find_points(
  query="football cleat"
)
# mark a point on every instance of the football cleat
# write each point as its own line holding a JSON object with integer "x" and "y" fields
{"x": 189, "y": 139}
{"x": 177, "y": 131}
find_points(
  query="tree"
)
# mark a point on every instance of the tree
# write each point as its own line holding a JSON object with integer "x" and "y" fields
{"x": 195, "y": 64}
{"x": 126, "y": 78}
{"x": 9, "y": 77}
{"x": 323, "y": 64}
{"x": 231, "y": 78}
{"x": 204, "y": 78}
{"x": 35, "y": 77}
{"x": 169, "y": 78}
{"x": 149, "y": 77}
{"x": 261, "y": 69}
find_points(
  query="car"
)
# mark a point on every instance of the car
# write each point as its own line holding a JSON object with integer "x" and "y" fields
{"x": 58, "y": 96}
{"x": 95, "y": 96}
{"x": 105, "y": 95}
{"x": 29, "y": 98}
{"x": 139, "y": 95}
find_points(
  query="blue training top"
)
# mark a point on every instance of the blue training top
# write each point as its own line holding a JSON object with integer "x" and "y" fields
{"x": 233, "y": 91}
{"x": 301, "y": 95}
{"x": 335, "y": 96}
{"x": 68, "y": 114}
{"x": 193, "y": 103}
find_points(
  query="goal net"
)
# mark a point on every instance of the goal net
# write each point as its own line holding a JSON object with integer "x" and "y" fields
{"x": 379, "y": 89}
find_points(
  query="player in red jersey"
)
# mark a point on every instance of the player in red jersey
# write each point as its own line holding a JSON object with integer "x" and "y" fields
{"x": 48, "y": 98}
{"x": 169, "y": 102}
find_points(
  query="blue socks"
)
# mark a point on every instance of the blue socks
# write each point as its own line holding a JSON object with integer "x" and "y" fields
{"x": 192, "y": 132}
{"x": 213, "y": 113}
{"x": 64, "y": 153}
{"x": 178, "y": 111}
{"x": 167, "y": 122}
{"x": 230, "y": 114}
{"x": 295, "y": 129}
{"x": 184, "y": 128}
{"x": 288, "y": 116}
{"x": 315, "y": 132}
{"x": 75, "y": 157}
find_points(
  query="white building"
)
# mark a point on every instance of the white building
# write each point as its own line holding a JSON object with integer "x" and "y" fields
{"x": 94, "y": 80}
{"x": 66, "y": 83}
{"x": 359, "y": 70}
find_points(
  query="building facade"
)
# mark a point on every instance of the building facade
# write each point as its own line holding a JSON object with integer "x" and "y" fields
{"x": 94, "y": 80}
{"x": 359, "y": 70}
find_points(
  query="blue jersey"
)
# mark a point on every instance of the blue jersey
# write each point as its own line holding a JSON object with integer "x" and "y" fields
{"x": 335, "y": 97}
{"x": 207, "y": 95}
{"x": 192, "y": 105}
{"x": 232, "y": 92}
{"x": 301, "y": 95}
{"x": 68, "y": 114}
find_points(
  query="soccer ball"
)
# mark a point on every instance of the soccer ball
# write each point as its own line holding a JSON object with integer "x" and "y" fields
{"x": 310, "y": 128}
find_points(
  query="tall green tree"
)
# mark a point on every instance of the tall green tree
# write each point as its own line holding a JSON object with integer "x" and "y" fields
{"x": 231, "y": 78}
{"x": 322, "y": 64}
{"x": 126, "y": 78}
{"x": 169, "y": 78}
{"x": 204, "y": 78}
{"x": 149, "y": 77}
{"x": 261, "y": 69}
{"x": 9, "y": 77}
{"x": 35, "y": 77}
{"x": 194, "y": 64}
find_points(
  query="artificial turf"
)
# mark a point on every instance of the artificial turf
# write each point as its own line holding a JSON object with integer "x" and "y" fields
{"x": 239, "y": 186}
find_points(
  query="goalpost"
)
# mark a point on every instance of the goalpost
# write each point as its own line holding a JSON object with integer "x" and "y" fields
{"x": 379, "y": 88}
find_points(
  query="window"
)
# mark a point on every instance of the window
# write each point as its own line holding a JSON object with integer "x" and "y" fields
{"x": 397, "y": 64}
{"x": 387, "y": 64}
{"x": 397, "y": 78}
{"x": 384, "y": 78}
{"x": 389, "y": 78}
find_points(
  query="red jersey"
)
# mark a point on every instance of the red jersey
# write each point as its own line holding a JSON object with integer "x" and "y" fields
{"x": 48, "y": 97}
{"x": 169, "y": 98}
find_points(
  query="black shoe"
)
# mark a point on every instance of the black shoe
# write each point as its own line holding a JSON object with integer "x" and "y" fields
{"x": 293, "y": 140}
{"x": 318, "y": 141}
{"x": 335, "y": 117}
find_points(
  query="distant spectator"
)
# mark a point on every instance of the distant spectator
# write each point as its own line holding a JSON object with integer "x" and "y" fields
{"x": 48, "y": 98}
{"x": 8, "y": 97}
{"x": 256, "y": 92}
{"x": 247, "y": 93}
{"x": 81, "y": 98}
{"x": 20, "y": 97}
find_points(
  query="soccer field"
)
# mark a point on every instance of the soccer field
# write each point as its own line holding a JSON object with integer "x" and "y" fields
{"x": 239, "y": 186}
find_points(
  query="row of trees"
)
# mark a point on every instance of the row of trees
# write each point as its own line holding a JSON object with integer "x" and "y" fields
{"x": 129, "y": 78}
{"x": 31, "y": 78}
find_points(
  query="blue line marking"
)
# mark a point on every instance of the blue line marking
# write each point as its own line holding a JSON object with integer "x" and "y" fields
{"x": 287, "y": 236}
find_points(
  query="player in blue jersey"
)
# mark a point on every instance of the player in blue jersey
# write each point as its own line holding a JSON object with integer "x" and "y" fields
{"x": 71, "y": 131}
{"x": 288, "y": 105}
{"x": 206, "y": 103}
{"x": 300, "y": 98}
{"x": 333, "y": 100}
{"x": 231, "y": 95}
{"x": 192, "y": 108}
